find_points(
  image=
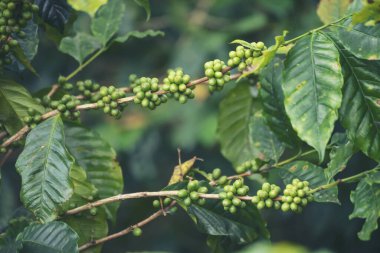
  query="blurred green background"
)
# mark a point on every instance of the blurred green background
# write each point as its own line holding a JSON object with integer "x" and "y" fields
{"x": 147, "y": 142}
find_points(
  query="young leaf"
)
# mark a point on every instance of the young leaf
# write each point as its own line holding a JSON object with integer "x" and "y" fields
{"x": 340, "y": 154}
{"x": 139, "y": 35}
{"x": 360, "y": 109}
{"x": 273, "y": 103}
{"x": 314, "y": 175}
{"x": 312, "y": 82}
{"x": 54, "y": 12}
{"x": 55, "y": 236}
{"x": 146, "y": 5}
{"x": 245, "y": 227}
{"x": 88, "y": 6}
{"x": 361, "y": 40}
{"x": 332, "y": 10}
{"x": 80, "y": 46}
{"x": 107, "y": 20}
{"x": 44, "y": 166}
{"x": 98, "y": 159}
{"x": 15, "y": 101}
{"x": 242, "y": 129}
{"x": 366, "y": 199}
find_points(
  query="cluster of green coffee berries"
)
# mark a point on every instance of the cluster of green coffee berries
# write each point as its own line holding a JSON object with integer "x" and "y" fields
{"x": 63, "y": 83}
{"x": 14, "y": 15}
{"x": 192, "y": 193}
{"x": 107, "y": 98}
{"x": 230, "y": 196}
{"x": 296, "y": 196}
{"x": 88, "y": 89}
{"x": 33, "y": 118}
{"x": 253, "y": 165}
{"x": 244, "y": 56}
{"x": 145, "y": 90}
{"x": 67, "y": 106}
{"x": 267, "y": 196}
{"x": 176, "y": 84}
{"x": 216, "y": 77}
{"x": 217, "y": 177}
{"x": 165, "y": 203}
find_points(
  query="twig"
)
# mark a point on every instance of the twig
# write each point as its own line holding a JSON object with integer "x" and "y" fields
{"x": 89, "y": 106}
{"x": 127, "y": 230}
{"x": 53, "y": 90}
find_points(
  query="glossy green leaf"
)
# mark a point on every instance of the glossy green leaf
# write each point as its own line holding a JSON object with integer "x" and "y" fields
{"x": 341, "y": 152}
{"x": 80, "y": 46}
{"x": 15, "y": 101}
{"x": 361, "y": 40}
{"x": 44, "y": 166}
{"x": 88, "y": 6}
{"x": 312, "y": 83}
{"x": 242, "y": 129}
{"x": 366, "y": 199}
{"x": 96, "y": 156}
{"x": 52, "y": 237}
{"x": 332, "y": 10}
{"x": 146, "y": 5}
{"x": 107, "y": 20}
{"x": 273, "y": 103}
{"x": 139, "y": 35}
{"x": 314, "y": 175}
{"x": 360, "y": 111}
{"x": 247, "y": 226}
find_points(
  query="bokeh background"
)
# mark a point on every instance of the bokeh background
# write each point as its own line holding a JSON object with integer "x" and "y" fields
{"x": 147, "y": 142}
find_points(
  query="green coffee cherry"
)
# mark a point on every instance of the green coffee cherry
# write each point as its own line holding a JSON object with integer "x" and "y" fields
{"x": 137, "y": 231}
{"x": 243, "y": 56}
{"x": 296, "y": 195}
{"x": 106, "y": 98}
{"x": 216, "y": 173}
{"x": 253, "y": 166}
{"x": 33, "y": 118}
{"x": 156, "y": 203}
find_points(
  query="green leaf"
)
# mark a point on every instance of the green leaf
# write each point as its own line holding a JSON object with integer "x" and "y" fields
{"x": 315, "y": 175}
{"x": 80, "y": 46}
{"x": 44, "y": 166}
{"x": 139, "y": 35}
{"x": 8, "y": 239}
{"x": 312, "y": 82}
{"x": 340, "y": 154}
{"x": 88, "y": 6}
{"x": 28, "y": 46}
{"x": 146, "y": 5}
{"x": 244, "y": 227}
{"x": 360, "y": 111}
{"x": 366, "y": 199}
{"x": 273, "y": 103}
{"x": 96, "y": 156}
{"x": 15, "y": 101}
{"x": 107, "y": 20}
{"x": 361, "y": 40}
{"x": 89, "y": 227}
{"x": 332, "y": 10}
{"x": 52, "y": 237}
{"x": 242, "y": 129}
{"x": 83, "y": 190}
